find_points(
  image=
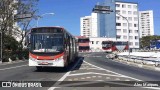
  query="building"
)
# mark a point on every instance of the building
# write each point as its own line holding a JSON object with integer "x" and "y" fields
{"x": 146, "y": 25}
{"x": 89, "y": 25}
{"x": 85, "y": 26}
{"x": 107, "y": 22}
{"x": 94, "y": 25}
{"x": 127, "y": 30}
{"x": 122, "y": 23}
{"x": 96, "y": 43}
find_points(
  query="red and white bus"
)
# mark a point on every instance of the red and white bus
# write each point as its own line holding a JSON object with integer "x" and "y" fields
{"x": 110, "y": 46}
{"x": 51, "y": 47}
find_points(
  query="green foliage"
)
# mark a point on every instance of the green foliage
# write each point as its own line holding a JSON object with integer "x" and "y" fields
{"x": 12, "y": 50}
{"x": 145, "y": 41}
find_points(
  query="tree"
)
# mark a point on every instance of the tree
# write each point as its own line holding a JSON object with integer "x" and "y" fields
{"x": 145, "y": 41}
{"x": 26, "y": 7}
{"x": 9, "y": 48}
{"x": 9, "y": 9}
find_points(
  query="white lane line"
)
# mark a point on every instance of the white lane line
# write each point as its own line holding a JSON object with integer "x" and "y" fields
{"x": 155, "y": 88}
{"x": 78, "y": 74}
{"x": 63, "y": 77}
{"x": 12, "y": 67}
{"x": 90, "y": 68}
{"x": 112, "y": 71}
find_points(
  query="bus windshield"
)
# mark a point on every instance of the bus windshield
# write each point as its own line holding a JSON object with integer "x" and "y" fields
{"x": 46, "y": 42}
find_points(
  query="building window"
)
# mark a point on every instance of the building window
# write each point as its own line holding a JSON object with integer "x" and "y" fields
{"x": 129, "y": 12}
{"x": 92, "y": 42}
{"x": 135, "y": 6}
{"x": 97, "y": 42}
{"x": 123, "y": 6}
{"x": 124, "y": 30}
{"x": 130, "y": 37}
{"x": 135, "y": 19}
{"x": 136, "y": 37}
{"x": 118, "y": 18}
{"x": 130, "y": 18}
{"x": 118, "y": 36}
{"x": 125, "y": 24}
{"x": 124, "y": 37}
{"x": 129, "y": 6}
{"x": 130, "y": 24}
{"x": 130, "y": 43}
{"x": 118, "y": 30}
{"x": 123, "y": 12}
{"x": 117, "y": 5}
{"x": 136, "y": 31}
{"x": 135, "y": 25}
{"x": 135, "y": 12}
{"x": 130, "y": 31}
{"x": 137, "y": 43}
{"x": 118, "y": 24}
{"x": 117, "y": 11}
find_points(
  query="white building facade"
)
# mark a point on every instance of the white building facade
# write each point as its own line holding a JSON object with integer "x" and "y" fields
{"x": 124, "y": 31}
{"x": 128, "y": 10}
{"x": 85, "y": 26}
{"x": 88, "y": 25}
{"x": 96, "y": 43}
{"x": 146, "y": 24}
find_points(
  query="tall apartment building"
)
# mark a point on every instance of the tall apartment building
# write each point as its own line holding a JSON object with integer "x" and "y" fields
{"x": 113, "y": 25}
{"x": 129, "y": 10}
{"x": 146, "y": 23}
{"x": 89, "y": 25}
{"x": 85, "y": 26}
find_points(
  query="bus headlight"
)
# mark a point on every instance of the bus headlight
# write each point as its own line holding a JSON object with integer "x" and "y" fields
{"x": 60, "y": 58}
{"x": 33, "y": 59}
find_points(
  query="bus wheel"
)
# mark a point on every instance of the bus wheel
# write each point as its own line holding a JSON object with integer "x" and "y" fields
{"x": 39, "y": 68}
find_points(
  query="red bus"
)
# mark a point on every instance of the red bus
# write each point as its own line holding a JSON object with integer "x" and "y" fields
{"x": 110, "y": 46}
{"x": 51, "y": 47}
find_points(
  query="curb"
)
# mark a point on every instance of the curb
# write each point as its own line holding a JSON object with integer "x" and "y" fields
{"x": 12, "y": 62}
{"x": 138, "y": 65}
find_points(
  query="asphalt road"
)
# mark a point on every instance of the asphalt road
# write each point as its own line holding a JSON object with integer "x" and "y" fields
{"x": 90, "y": 67}
{"x": 136, "y": 72}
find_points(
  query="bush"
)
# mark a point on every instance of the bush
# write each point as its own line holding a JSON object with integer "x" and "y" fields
{"x": 23, "y": 54}
{"x": 12, "y": 50}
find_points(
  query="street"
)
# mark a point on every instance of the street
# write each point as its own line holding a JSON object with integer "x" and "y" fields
{"x": 88, "y": 70}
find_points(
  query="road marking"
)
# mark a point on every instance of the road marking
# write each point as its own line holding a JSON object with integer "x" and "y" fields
{"x": 107, "y": 77}
{"x": 117, "y": 79}
{"x": 82, "y": 78}
{"x": 90, "y": 68}
{"x": 155, "y": 88}
{"x": 75, "y": 79}
{"x": 63, "y": 77}
{"x": 99, "y": 76}
{"x": 88, "y": 77}
{"x": 127, "y": 80}
{"x": 112, "y": 71}
{"x": 12, "y": 67}
{"x": 78, "y": 74}
{"x": 69, "y": 79}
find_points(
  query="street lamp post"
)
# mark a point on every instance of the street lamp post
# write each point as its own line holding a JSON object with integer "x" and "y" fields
{"x": 128, "y": 31}
{"x": 1, "y": 48}
{"x": 42, "y": 16}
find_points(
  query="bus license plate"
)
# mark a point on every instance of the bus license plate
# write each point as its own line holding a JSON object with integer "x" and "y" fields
{"x": 45, "y": 63}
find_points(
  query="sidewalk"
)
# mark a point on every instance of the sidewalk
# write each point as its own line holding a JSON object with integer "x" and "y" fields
{"x": 12, "y": 62}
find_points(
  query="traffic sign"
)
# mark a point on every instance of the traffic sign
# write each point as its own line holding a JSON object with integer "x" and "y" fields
{"x": 23, "y": 16}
